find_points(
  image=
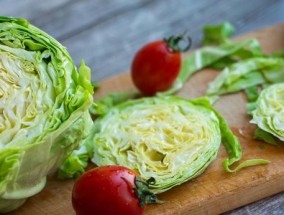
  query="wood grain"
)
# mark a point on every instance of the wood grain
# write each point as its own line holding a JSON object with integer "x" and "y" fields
{"x": 106, "y": 33}
{"x": 215, "y": 191}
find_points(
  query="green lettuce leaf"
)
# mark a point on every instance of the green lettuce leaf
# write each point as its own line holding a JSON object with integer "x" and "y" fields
{"x": 214, "y": 57}
{"x": 265, "y": 136}
{"x": 102, "y": 105}
{"x": 268, "y": 115}
{"x": 247, "y": 73}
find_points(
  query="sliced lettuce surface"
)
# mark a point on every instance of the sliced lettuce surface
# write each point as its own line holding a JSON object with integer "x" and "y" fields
{"x": 269, "y": 112}
{"x": 168, "y": 138}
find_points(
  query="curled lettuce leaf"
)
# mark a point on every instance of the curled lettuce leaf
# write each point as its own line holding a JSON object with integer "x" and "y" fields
{"x": 168, "y": 138}
{"x": 44, "y": 105}
{"x": 215, "y": 57}
{"x": 246, "y": 74}
{"x": 269, "y": 112}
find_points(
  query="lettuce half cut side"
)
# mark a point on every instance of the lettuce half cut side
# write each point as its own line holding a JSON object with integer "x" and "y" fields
{"x": 44, "y": 104}
{"x": 168, "y": 138}
{"x": 269, "y": 112}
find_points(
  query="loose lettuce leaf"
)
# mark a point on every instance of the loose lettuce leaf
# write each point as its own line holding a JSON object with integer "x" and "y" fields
{"x": 246, "y": 74}
{"x": 217, "y": 34}
{"x": 44, "y": 104}
{"x": 265, "y": 136}
{"x": 102, "y": 105}
{"x": 214, "y": 57}
{"x": 77, "y": 162}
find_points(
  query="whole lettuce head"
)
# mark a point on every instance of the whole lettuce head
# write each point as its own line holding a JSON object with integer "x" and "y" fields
{"x": 44, "y": 105}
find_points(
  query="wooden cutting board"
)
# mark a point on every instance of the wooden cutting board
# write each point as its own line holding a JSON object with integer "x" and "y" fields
{"x": 215, "y": 191}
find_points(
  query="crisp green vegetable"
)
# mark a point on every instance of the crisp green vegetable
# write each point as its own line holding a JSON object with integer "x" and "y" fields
{"x": 155, "y": 136}
{"x": 269, "y": 112}
{"x": 246, "y": 74}
{"x": 168, "y": 138}
{"x": 103, "y": 105}
{"x": 265, "y": 136}
{"x": 76, "y": 163}
{"x": 216, "y": 57}
{"x": 217, "y": 34}
{"x": 44, "y": 105}
{"x": 251, "y": 75}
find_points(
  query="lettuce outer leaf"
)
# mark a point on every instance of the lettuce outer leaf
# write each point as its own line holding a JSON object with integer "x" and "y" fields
{"x": 44, "y": 104}
{"x": 265, "y": 136}
{"x": 102, "y": 106}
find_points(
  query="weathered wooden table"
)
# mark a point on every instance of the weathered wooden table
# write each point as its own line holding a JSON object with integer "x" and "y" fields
{"x": 106, "y": 34}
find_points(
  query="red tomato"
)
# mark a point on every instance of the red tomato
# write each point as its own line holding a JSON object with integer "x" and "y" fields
{"x": 156, "y": 66}
{"x": 106, "y": 190}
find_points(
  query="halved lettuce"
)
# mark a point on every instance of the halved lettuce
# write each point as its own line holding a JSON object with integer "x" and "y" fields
{"x": 269, "y": 112}
{"x": 168, "y": 138}
{"x": 216, "y": 57}
{"x": 44, "y": 105}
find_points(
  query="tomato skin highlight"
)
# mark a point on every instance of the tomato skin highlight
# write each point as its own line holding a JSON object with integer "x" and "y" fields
{"x": 155, "y": 67}
{"x": 106, "y": 190}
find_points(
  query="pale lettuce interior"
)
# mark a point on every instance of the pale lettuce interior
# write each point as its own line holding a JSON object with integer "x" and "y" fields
{"x": 44, "y": 105}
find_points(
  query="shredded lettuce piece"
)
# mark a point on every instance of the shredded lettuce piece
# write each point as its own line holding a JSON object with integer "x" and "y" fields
{"x": 269, "y": 112}
{"x": 214, "y": 56}
{"x": 217, "y": 34}
{"x": 77, "y": 162}
{"x": 168, "y": 138}
{"x": 246, "y": 74}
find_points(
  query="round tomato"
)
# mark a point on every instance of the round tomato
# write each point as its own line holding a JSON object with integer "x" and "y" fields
{"x": 156, "y": 66}
{"x": 109, "y": 190}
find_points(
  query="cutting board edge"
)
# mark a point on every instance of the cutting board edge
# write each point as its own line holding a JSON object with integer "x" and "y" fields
{"x": 217, "y": 205}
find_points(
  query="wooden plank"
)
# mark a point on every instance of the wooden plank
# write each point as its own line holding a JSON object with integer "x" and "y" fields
{"x": 97, "y": 30}
{"x": 215, "y": 191}
{"x": 121, "y": 36}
